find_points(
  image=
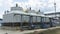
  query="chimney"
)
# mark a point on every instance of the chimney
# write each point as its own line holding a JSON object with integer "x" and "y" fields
{"x": 38, "y": 10}
{"x": 16, "y": 5}
{"x": 30, "y": 8}
{"x": 5, "y": 12}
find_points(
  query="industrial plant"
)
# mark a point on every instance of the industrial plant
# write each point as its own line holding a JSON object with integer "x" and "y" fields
{"x": 29, "y": 19}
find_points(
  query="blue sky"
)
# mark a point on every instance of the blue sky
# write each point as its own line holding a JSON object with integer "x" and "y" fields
{"x": 43, "y": 5}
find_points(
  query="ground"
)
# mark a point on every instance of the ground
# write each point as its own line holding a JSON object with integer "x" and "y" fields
{"x": 2, "y": 31}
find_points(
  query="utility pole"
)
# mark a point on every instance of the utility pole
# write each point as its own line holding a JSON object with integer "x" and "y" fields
{"x": 55, "y": 8}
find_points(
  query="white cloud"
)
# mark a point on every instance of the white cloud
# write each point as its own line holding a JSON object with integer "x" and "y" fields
{"x": 44, "y": 5}
{"x": 1, "y": 2}
{"x": 4, "y": 5}
{"x": 37, "y": 4}
{"x": 52, "y": 5}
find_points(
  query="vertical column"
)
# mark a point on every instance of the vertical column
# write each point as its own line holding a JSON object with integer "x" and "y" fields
{"x": 30, "y": 20}
{"x": 41, "y": 19}
{"x": 13, "y": 25}
{"x": 36, "y": 18}
{"x": 59, "y": 20}
{"x": 50, "y": 22}
{"x": 21, "y": 21}
{"x": 10, "y": 24}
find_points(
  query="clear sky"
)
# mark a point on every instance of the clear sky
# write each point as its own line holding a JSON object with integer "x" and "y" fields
{"x": 43, "y": 5}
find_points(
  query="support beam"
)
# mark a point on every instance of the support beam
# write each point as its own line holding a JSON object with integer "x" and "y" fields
{"x": 36, "y": 18}
{"x": 21, "y": 21}
{"x": 13, "y": 24}
{"x": 30, "y": 20}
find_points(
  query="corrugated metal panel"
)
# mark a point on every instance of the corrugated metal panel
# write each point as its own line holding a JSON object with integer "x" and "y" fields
{"x": 8, "y": 18}
{"x": 38, "y": 19}
{"x": 45, "y": 19}
{"x": 25, "y": 18}
{"x": 17, "y": 18}
{"x": 34, "y": 19}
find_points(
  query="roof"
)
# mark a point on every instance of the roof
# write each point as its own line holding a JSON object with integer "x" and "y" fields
{"x": 52, "y": 13}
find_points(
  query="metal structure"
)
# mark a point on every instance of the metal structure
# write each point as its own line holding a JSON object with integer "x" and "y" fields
{"x": 18, "y": 18}
{"x": 55, "y": 8}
